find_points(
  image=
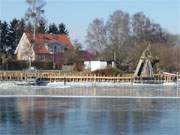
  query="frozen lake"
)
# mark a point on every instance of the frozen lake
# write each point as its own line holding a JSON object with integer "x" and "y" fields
{"x": 73, "y": 110}
{"x": 108, "y": 90}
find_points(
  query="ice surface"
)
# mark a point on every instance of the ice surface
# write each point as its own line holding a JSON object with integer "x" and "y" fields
{"x": 21, "y": 84}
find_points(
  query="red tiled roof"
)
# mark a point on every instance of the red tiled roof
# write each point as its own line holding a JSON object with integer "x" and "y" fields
{"x": 86, "y": 56}
{"x": 41, "y": 39}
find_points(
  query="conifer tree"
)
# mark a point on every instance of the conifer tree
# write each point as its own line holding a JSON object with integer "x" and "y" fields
{"x": 4, "y": 35}
{"x": 20, "y": 29}
{"x": 62, "y": 29}
{"x": 53, "y": 29}
{"x": 12, "y": 36}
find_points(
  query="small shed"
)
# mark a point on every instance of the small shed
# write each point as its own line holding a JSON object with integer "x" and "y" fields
{"x": 97, "y": 65}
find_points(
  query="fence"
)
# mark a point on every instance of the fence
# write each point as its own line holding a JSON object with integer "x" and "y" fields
{"x": 56, "y": 75}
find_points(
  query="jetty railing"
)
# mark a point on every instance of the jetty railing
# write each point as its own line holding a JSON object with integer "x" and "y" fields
{"x": 56, "y": 75}
{"x": 60, "y": 76}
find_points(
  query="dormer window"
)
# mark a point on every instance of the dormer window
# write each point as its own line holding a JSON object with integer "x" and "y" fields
{"x": 55, "y": 48}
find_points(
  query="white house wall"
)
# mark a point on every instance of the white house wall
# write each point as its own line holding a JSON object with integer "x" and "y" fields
{"x": 95, "y": 65}
{"x": 24, "y": 51}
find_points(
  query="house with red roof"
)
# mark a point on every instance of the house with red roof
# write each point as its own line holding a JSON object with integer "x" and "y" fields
{"x": 45, "y": 47}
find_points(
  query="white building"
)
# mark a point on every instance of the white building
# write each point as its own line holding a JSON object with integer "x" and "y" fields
{"x": 96, "y": 65}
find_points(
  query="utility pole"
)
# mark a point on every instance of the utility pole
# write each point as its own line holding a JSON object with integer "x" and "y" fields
{"x": 177, "y": 77}
{"x": 54, "y": 51}
{"x": 114, "y": 58}
{"x": 34, "y": 19}
{"x": 33, "y": 15}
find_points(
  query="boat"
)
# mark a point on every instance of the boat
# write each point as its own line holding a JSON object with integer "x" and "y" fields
{"x": 32, "y": 78}
{"x": 146, "y": 71}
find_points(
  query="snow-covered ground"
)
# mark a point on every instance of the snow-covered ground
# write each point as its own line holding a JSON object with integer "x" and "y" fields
{"x": 16, "y": 85}
{"x": 87, "y": 89}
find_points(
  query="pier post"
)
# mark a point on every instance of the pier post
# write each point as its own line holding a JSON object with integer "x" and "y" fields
{"x": 95, "y": 79}
{"x": 177, "y": 77}
{"x": 177, "y": 87}
{"x": 64, "y": 79}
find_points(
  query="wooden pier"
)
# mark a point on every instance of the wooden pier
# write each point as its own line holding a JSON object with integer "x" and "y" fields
{"x": 59, "y": 76}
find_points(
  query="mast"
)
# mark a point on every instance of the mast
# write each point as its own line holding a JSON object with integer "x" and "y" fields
{"x": 34, "y": 19}
{"x": 145, "y": 67}
{"x": 33, "y": 15}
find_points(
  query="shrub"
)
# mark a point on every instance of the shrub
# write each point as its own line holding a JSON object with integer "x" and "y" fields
{"x": 108, "y": 72}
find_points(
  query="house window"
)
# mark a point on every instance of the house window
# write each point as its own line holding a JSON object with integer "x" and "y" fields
{"x": 41, "y": 58}
{"x": 55, "y": 48}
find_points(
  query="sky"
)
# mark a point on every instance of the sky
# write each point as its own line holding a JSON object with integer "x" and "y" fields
{"x": 78, "y": 14}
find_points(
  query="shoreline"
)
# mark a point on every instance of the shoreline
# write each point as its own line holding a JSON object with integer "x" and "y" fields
{"x": 4, "y": 84}
{"x": 71, "y": 96}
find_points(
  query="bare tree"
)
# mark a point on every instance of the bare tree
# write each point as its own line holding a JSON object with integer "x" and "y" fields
{"x": 77, "y": 45}
{"x": 145, "y": 30}
{"x": 108, "y": 39}
{"x": 96, "y": 36}
{"x": 34, "y": 13}
{"x": 118, "y": 28}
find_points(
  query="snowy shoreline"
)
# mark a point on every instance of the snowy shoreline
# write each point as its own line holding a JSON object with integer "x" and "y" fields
{"x": 12, "y": 84}
{"x": 71, "y": 96}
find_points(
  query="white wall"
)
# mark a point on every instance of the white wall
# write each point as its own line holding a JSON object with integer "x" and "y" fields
{"x": 95, "y": 65}
{"x": 24, "y": 51}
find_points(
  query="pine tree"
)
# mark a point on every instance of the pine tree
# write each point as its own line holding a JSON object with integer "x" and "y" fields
{"x": 62, "y": 29}
{"x": 20, "y": 30}
{"x": 53, "y": 29}
{"x": 4, "y": 35}
{"x": 12, "y": 36}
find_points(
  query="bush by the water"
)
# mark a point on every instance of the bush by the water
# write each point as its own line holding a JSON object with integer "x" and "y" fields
{"x": 21, "y": 65}
{"x": 108, "y": 72}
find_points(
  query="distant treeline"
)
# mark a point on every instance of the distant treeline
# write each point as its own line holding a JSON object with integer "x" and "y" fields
{"x": 10, "y": 33}
{"x": 123, "y": 38}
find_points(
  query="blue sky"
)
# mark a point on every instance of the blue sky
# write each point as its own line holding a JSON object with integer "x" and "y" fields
{"x": 77, "y": 14}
